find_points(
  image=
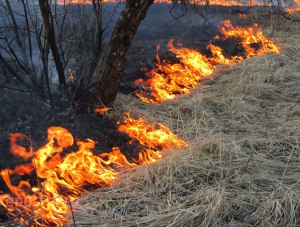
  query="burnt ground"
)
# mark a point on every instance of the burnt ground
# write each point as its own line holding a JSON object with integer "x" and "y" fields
{"x": 25, "y": 114}
{"x": 22, "y": 112}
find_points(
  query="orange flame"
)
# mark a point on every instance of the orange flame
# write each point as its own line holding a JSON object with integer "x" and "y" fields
{"x": 71, "y": 75}
{"x": 250, "y": 36}
{"x": 102, "y": 111}
{"x": 243, "y": 15}
{"x": 168, "y": 80}
{"x": 64, "y": 178}
{"x": 295, "y": 8}
{"x": 83, "y": 2}
{"x": 199, "y": 2}
{"x": 18, "y": 150}
{"x": 154, "y": 136}
{"x": 290, "y": 9}
{"x": 220, "y": 2}
{"x": 219, "y": 58}
{"x": 196, "y": 2}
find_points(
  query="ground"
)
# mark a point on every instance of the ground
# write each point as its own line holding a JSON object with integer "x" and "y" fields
{"x": 242, "y": 164}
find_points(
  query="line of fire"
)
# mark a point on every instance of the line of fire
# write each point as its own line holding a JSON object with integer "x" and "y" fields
{"x": 76, "y": 56}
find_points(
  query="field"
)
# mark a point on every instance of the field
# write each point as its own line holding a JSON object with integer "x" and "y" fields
{"x": 242, "y": 164}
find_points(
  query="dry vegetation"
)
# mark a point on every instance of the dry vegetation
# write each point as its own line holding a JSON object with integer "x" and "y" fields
{"x": 243, "y": 164}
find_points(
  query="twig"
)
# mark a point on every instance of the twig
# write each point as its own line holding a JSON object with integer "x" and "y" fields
{"x": 135, "y": 56}
{"x": 16, "y": 89}
{"x": 73, "y": 217}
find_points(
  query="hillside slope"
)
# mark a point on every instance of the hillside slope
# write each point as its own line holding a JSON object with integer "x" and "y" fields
{"x": 243, "y": 164}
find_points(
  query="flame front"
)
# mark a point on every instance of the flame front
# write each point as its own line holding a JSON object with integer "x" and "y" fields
{"x": 219, "y": 58}
{"x": 295, "y": 7}
{"x": 197, "y": 2}
{"x": 63, "y": 178}
{"x": 248, "y": 37}
{"x": 168, "y": 80}
{"x": 155, "y": 138}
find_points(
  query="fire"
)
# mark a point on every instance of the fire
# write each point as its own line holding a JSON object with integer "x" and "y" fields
{"x": 291, "y": 9}
{"x": 243, "y": 15}
{"x": 295, "y": 8}
{"x": 168, "y": 80}
{"x": 71, "y": 75}
{"x": 248, "y": 37}
{"x": 18, "y": 150}
{"x": 63, "y": 178}
{"x": 219, "y": 58}
{"x": 220, "y": 2}
{"x": 198, "y": 2}
{"x": 83, "y": 2}
{"x": 155, "y": 136}
{"x": 102, "y": 111}
{"x": 192, "y": 59}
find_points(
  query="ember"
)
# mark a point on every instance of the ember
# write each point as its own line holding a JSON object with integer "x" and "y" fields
{"x": 102, "y": 111}
{"x": 71, "y": 75}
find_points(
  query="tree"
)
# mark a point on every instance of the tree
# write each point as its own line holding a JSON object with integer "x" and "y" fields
{"x": 33, "y": 35}
{"x": 16, "y": 47}
{"x": 101, "y": 73}
{"x": 51, "y": 38}
{"x": 108, "y": 73}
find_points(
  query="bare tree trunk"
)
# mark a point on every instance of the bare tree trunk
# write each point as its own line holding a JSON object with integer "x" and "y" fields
{"x": 108, "y": 74}
{"x": 50, "y": 33}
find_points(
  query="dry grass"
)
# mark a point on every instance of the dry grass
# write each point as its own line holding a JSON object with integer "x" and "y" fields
{"x": 243, "y": 164}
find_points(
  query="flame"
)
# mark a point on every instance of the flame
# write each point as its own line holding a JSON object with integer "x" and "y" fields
{"x": 168, "y": 80}
{"x": 102, "y": 111}
{"x": 71, "y": 75}
{"x": 200, "y": 2}
{"x": 243, "y": 15}
{"x": 249, "y": 36}
{"x": 196, "y": 2}
{"x": 143, "y": 67}
{"x": 219, "y": 58}
{"x": 290, "y": 9}
{"x": 63, "y": 178}
{"x": 154, "y": 136}
{"x": 220, "y": 2}
{"x": 83, "y": 2}
{"x": 18, "y": 150}
{"x": 295, "y": 8}
{"x": 193, "y": 60}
